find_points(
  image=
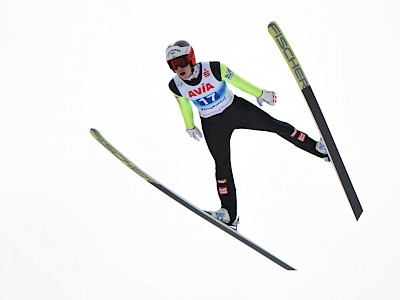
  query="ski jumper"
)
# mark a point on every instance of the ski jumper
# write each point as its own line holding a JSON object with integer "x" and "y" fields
{"x": 221, "y": 112}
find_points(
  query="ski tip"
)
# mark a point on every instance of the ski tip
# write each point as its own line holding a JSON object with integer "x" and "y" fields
{"x": 274, "y": 29}
{"x": 94, "y": 132}
{"x": 272, "y": 25}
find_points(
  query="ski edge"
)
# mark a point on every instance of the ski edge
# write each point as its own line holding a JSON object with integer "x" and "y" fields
{"x": 97, "y": 135}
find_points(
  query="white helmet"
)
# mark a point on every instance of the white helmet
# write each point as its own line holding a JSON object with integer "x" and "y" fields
{"x": 180, "y": 54}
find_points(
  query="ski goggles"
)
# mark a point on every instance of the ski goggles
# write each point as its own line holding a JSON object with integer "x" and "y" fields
{"x": 181, "y": 61}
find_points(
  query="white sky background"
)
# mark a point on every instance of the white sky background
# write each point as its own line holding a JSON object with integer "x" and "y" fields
{"x": 77, "y": 224}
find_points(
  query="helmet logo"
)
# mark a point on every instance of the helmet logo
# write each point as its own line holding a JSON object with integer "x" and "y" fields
{"x": 175, "y": 51}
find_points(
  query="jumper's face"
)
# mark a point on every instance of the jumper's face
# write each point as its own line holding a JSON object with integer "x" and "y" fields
{"x": 184, "y": 72}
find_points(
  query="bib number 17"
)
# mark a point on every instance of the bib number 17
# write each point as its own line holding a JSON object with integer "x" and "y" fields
{"x": 207, "y": 99}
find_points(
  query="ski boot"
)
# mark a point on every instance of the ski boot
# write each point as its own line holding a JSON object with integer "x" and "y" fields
{"x": 223, "y": 216}
{"x": 321, "y": 148}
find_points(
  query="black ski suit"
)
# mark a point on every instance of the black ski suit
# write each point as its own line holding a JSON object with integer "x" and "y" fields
{"x": 218, "y": 129}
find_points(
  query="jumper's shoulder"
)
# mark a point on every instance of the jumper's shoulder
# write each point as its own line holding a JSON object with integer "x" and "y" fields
{"x": 172, "y": 86}
{"x": 216, "y": 69}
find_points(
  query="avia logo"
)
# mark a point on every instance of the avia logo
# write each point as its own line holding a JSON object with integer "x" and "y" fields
{"x": 203, "y": 89}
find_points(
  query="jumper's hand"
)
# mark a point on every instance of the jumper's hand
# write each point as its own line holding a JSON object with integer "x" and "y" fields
{"x": 194, "y": 133}
{"x": 267, "y": 96}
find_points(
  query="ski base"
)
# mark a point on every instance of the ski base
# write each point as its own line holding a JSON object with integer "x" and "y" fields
{"x": 304, "y": 85}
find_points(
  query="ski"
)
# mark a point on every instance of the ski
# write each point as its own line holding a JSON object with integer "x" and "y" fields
{"x": 305, "y": 87}
{"x": 96, "y": 134}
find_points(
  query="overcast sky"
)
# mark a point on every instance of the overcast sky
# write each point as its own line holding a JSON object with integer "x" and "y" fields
{"x": 75, "y": 223}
